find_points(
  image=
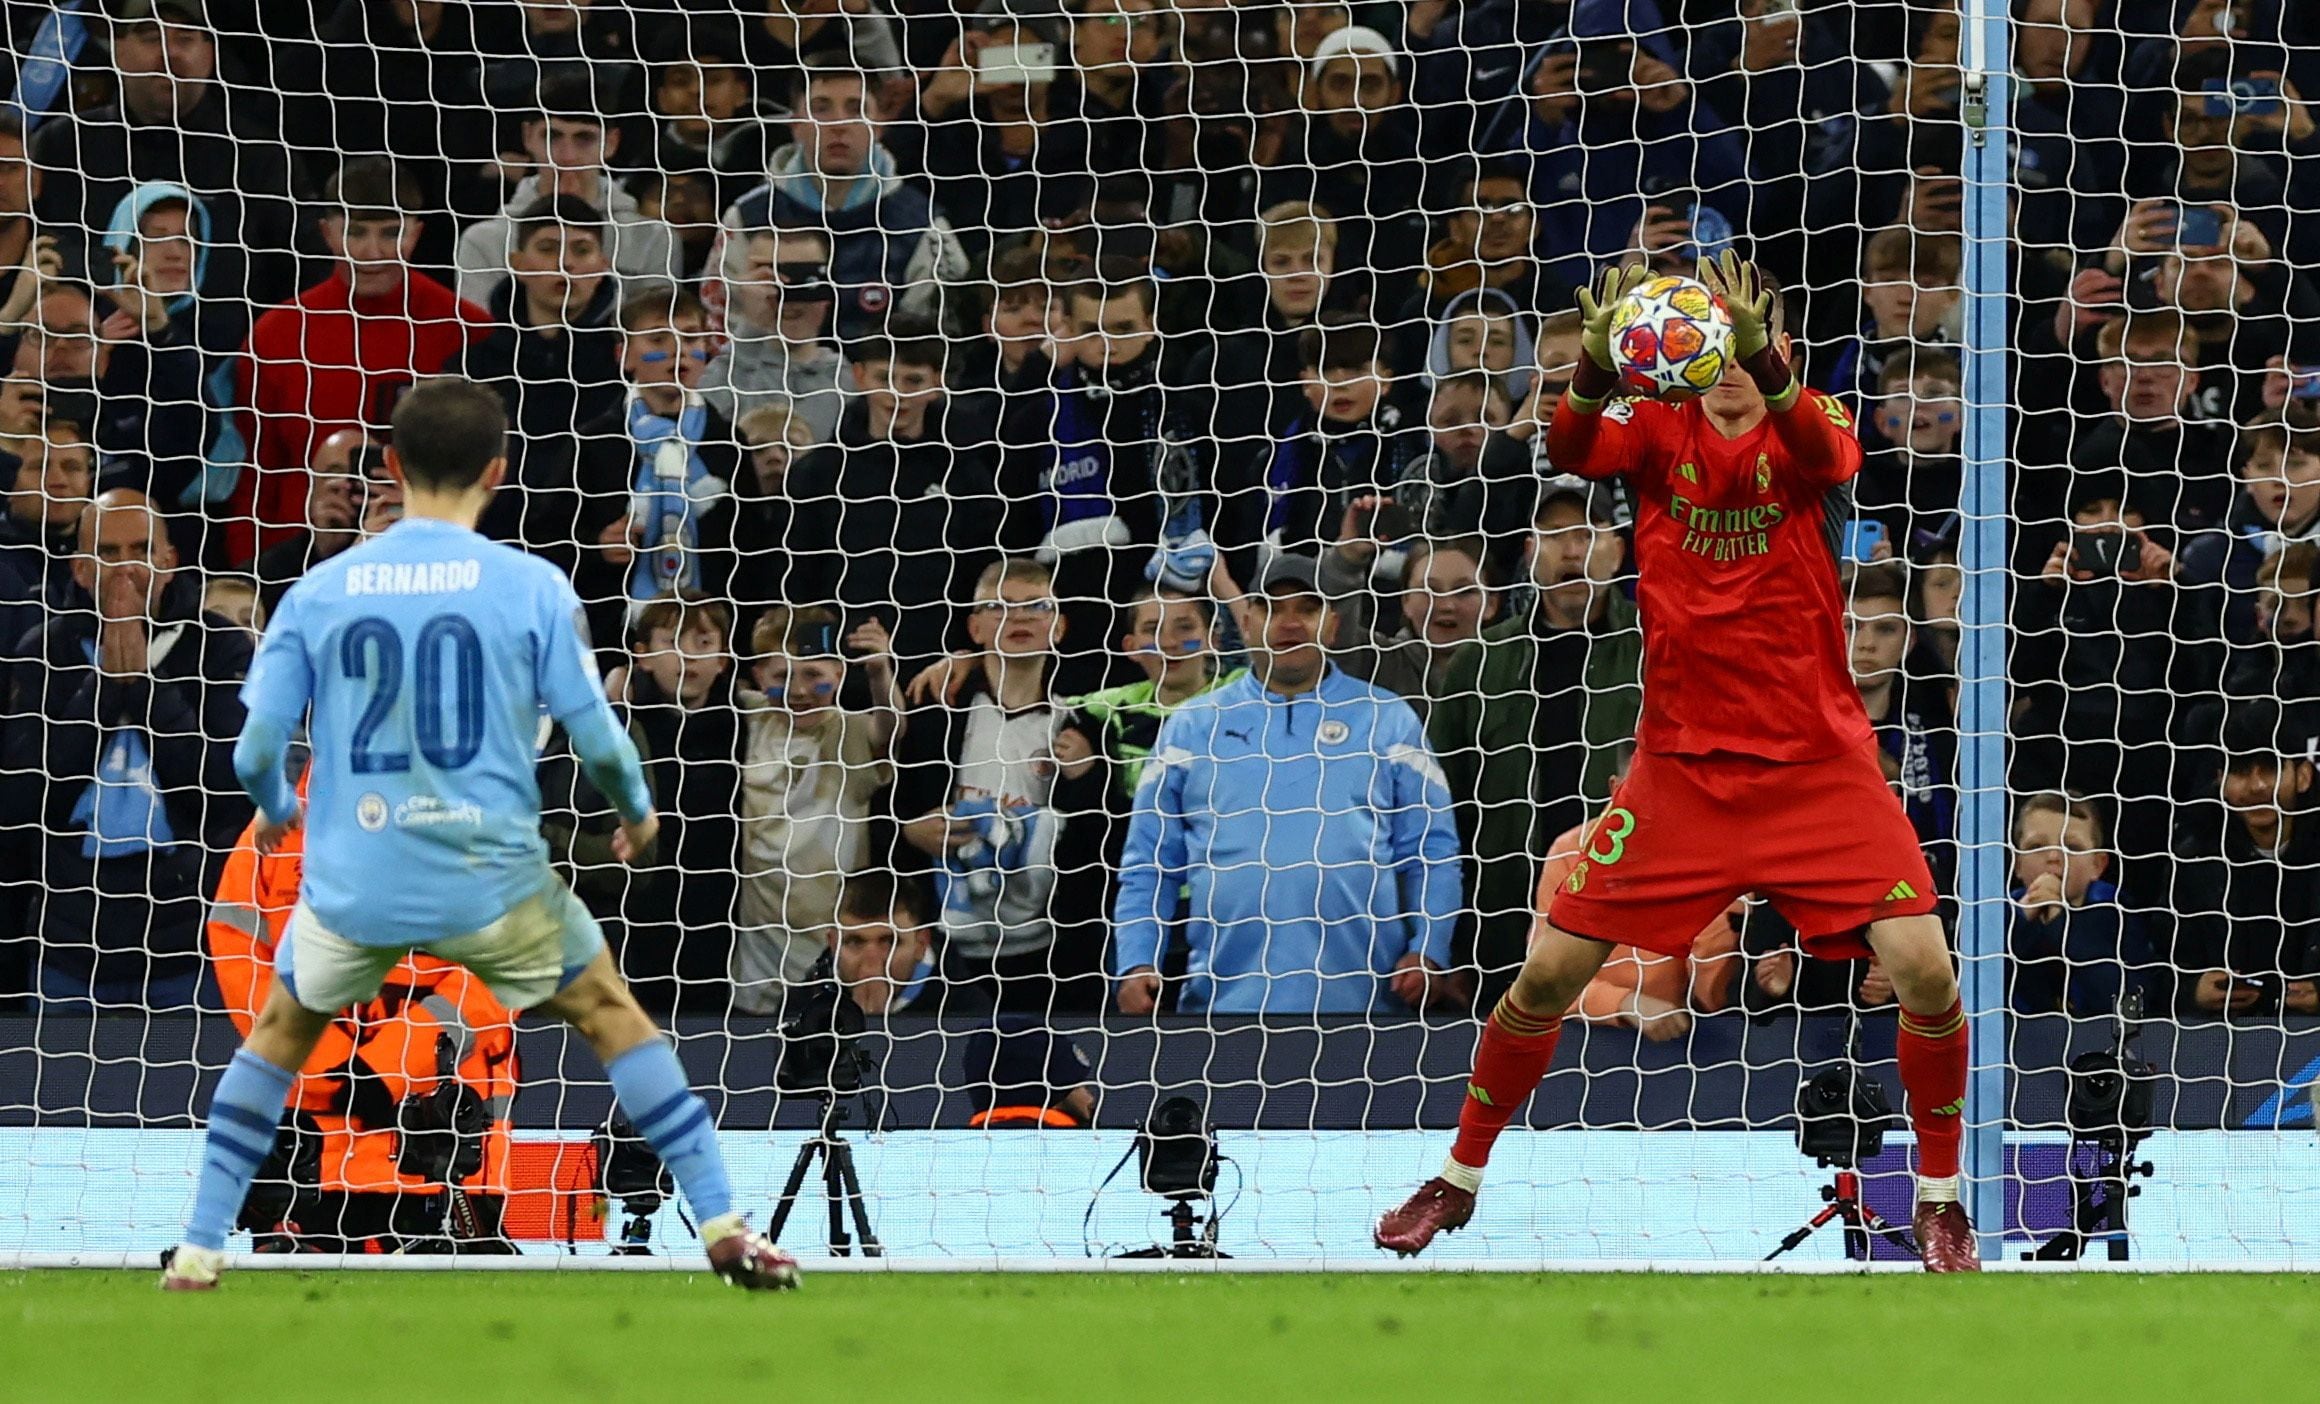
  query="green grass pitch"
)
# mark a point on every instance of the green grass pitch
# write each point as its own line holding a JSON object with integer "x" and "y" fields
{"x": 420, "y": 1338}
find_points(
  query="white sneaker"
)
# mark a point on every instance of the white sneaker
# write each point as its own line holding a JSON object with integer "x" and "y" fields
{"x": 187, "y": 1268}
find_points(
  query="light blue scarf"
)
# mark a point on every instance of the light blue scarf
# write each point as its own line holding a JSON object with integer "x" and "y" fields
{"x": 672, "y": 491}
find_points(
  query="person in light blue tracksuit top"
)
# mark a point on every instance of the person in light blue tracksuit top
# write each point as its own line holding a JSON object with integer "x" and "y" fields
{"x": 1297, "y": 824}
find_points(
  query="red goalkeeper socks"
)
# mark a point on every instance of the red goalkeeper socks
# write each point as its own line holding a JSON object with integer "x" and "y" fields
{"x": 1932, "y": 1053}
{"x": 1516, "y": 1048}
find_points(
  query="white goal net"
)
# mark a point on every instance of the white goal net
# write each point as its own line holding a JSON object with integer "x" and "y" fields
{"x": 917, "y": 392}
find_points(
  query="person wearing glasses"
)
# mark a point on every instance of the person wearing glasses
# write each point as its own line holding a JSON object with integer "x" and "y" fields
{"x": 985, "y": 788}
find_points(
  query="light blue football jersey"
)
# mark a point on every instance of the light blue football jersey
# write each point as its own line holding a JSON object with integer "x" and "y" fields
{"x": 428, "y": 655}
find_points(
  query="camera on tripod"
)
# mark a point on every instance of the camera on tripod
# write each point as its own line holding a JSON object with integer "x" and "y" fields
{"x": 440, "y": 1138}
{"x": 2108, "y": 1110}
{"x": 821, "y": 1056}
{"x": 1842, "y": 1115}
{"x": 1176, "y": 1159}
{"x": 630, "y": 1174}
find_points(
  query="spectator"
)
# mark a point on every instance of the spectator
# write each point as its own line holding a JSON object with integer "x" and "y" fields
{"x": 984, "y": 788}
{"x": 1916, "y": 736}
{"x": 1022, "y": 323}
{"x": 1532, "y": 715}
{"x": 132, "y": 703}
{"x": 892, "y": 518}
{"x": 1005, "y": 150}
{"x": 2278, "y": 503}
{"x": 168, "y": 380}
{"x": 675, "y": 920}
{"x": 2072, "y": 945}
{"x": 705, "y": 108}
{"x": 884, "y": 941}
{"x": 1653, "y": 994}
{"x": 1613, "y": 126}
{"x": 771, "y": 438}
{"x": 2105, "y": 643}
{"x": 1485, "y": 331}
{"x": 1297, "y": 257}
{"x": 1488, "y": 241}
{"x": 2178, "y": 466}
{"x": 889, "y": 249}
{"x": 570, "y": 144}
{"x": 1345, "y": 437}
{"x": 1022, "y": 1073}
{"x": 1352, "y": 148}
{"x": 654, "y": 515}
{"x": 1346, "y": 785}
{"x": 1133, "y": 89}
{"x": 1911, "y": 483}
{"x": 404, "y": 81}
{"x": 553, "y": 354}
{"x": 2282, "y": 659}
{"x": 48, "y": 488}
{"x": 234, "y": 599}
{"x": 1084, "y": 462}
{"x": 1446, "y": 599}
{"x": 1171, "y": 635}
{"x": 1478, "y": 479}
{"x": 2246, "y": 886}
{"x": 172, "y": 122}
{"x": 777, "y": 319}
{"x": 348, "y": 497}
{"x": 337, "y": 355}
{"x": 27, "y": 257}
{"x": 1911, "y": 295}
{"x": 808, "y": 769}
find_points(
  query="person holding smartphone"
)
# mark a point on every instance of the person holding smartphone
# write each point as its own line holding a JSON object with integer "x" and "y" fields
{"x": 2247, "y": 879}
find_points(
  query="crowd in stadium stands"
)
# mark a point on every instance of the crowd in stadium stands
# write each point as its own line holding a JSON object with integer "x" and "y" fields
{"x": 1058, "y": 484}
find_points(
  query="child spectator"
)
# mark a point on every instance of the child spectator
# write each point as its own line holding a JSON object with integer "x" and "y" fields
{"x": 982, "y": 789}
{"x": 336, "y": 356}
{"x": 2246, "y": 888}
{"x": 808, "y": 770}
{"x": 1910, "y": 484}
{"x": 894, "y": 518}
{"x": 2177, "y": 463}
{"x": 884, "y": 941}
{"x": 1485, "y": 330}
{"x": 1910, "y": 296}
{"x": 1296, "y": 258}
{"x": 234, "y": 599}
{"x": 569, "y": 145}
{"x": 1916, "y": 737}
{"x": 777, "y": 316}
{"x": 654, "y": 513}
{"x": 2071, "y": 945}
{"x": 1021, "y": 324}
{"x": 2278, "y": 503}
{"x": 676, "y": 919}
{"x": 553, "y": 354}
{"x": 1343, "y": 438}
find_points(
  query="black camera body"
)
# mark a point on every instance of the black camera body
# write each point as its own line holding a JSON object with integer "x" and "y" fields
{"x": 821, "y": 1053}
{"x": 441, "y": 1131}
{"x": 1176, "y": 1151}
{"x": 1842, "y": 1115}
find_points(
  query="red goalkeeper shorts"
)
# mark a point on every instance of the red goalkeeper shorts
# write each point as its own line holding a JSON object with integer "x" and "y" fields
{"x": 1826, "y": 842}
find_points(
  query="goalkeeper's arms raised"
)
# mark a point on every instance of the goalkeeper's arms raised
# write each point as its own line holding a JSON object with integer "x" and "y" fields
{"x": 1580, "y": 439}
{"x": 1815, "y": 430}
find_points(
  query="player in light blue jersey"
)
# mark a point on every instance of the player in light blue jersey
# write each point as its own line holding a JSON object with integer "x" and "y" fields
{"x": 421, "y": 662}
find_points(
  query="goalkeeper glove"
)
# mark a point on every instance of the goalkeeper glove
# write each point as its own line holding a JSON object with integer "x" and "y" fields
{"x": 1596, "y": 306}
{"x": 1747, "y": 302}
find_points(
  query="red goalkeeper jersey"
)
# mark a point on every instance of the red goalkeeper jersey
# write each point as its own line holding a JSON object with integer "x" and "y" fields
{"x": 1736, "y": 552}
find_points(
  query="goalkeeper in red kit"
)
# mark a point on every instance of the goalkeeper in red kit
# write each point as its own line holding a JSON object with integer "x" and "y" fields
{"x": 1756, "y": 770}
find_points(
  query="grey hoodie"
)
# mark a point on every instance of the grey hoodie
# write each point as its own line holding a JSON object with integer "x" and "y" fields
{"x": 644, "y": 250}
{"x": 756, "y": 368}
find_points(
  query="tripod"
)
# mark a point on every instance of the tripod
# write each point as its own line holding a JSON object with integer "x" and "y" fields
{"x": 841, "y": 1186}
{"x": 1843, "y": 1201}
{"x": 1183, "y": 1243}
{"x": 2102, "y": 1173}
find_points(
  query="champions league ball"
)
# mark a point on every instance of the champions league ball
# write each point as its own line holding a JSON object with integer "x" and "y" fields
{"x": 1671, "y": 338}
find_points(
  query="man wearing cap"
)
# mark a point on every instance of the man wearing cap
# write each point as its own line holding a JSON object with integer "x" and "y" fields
{"x": 1020, "y": 1073}
{"x": 1296, "y": 826}
{"x": 1532, "y": 713}
{"x": 171, "y": 124}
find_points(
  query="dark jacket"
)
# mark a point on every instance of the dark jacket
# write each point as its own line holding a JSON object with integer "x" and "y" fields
{"x": 115, "y": 904}
{"x": 2082, "y": 961}
{"x": 552, "y": 385}
{"x": 1294, "y": 488}
{"x": 1527, "y": 731}
{"x": 900, "y": 529}
{"x": 2254, "y": 914}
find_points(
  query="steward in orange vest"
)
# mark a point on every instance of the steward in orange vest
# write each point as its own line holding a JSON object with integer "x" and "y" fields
{"x": 354, "y": 1167}
{"x": 1022, "y": 1074}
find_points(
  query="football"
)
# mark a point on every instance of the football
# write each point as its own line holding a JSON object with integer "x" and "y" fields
{"x": 1671, "y": 338}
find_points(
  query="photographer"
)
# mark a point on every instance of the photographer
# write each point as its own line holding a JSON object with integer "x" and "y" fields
{"x": 347, "y": 498}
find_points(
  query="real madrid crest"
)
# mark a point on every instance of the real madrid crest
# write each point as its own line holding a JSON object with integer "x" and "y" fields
{"x": 1763, "y": 472}
{"x": 1578, "y": 878}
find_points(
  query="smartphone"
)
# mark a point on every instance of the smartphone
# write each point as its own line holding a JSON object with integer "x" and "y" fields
{"x": 2098, "y": 553}
{"x": 1389, "y": 521}
{"x": 2304, "y": 382}
{"x": 1862, "y": 538}
{"x": 1603, "y": 65}
{"x": 2242, "y": 97}
{"x": 1016, "y": 63}
{"x": 2197, "y": 226}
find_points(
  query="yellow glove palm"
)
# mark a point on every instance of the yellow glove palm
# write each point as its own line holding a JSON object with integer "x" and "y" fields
{"x": 1596, "y": 306}
{"x": 1747, "y": 302}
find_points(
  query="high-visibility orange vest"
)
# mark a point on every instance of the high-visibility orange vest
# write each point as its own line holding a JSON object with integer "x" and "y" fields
{"x": 374, "y": 1054}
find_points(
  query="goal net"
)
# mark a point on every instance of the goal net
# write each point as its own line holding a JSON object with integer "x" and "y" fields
{"x": 931, "y": 403}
